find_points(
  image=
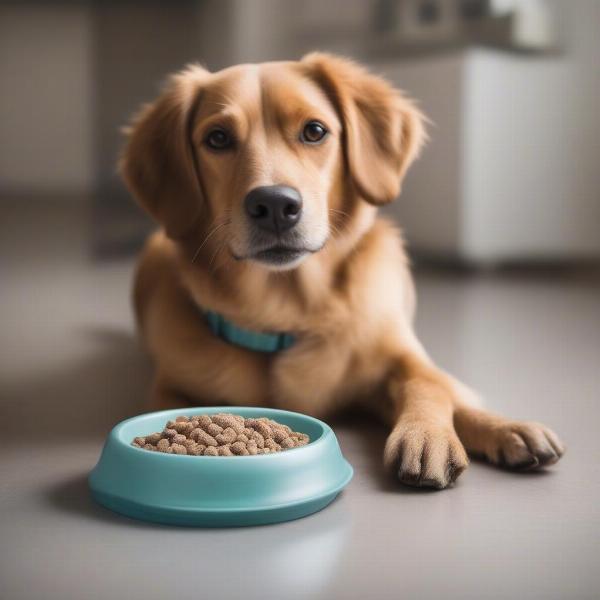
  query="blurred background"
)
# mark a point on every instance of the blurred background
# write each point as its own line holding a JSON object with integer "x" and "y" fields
{"x": 502, "y": 216}
{"x": 511, "y": 87}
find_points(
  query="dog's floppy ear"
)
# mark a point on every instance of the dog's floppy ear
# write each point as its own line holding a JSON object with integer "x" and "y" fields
{"x": 158, "y": 162}
{"x": 383, "y": 131}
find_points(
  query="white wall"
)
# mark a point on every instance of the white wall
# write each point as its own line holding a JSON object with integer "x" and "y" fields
{"x": 45, "y": 98}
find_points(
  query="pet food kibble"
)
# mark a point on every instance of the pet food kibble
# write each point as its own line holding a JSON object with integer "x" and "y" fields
{"x": 260, "y": 426}
{"x": 239, "y": 448}
{"x": 303, "y": 439}
{"x": 279, "y": 434}
{"x": 222, "y": 434}
{"x": 225, "y": 450}
{"x": 183, "y": 427}
{"x": 179, "y": 449}
{"x": 259, "y": 439}
{"x": 204, "y": 421}
{"x": 163, "y": 445}
{"x": 226, "y": 420}
{"x": 214, "y": 429}
{"x": 206, "y": 439}
{"x": 229, "y": 435}
{"x": 153, "y": 438}
{"x": 271, "y": 444}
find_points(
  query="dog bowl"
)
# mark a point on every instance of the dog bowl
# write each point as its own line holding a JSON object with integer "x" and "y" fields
{"x": 219, "y": 491}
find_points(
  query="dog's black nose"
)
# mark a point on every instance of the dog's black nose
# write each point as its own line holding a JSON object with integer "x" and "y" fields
{"x": 274, "y": 208}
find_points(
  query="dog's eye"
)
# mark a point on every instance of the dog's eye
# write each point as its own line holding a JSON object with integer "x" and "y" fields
{"x": 313, "y": 133}
{"x": 218, "y": 139}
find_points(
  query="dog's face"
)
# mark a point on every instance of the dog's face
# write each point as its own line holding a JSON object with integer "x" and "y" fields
{"x": 268, "y": 159}
{"x": 267, "y": 145}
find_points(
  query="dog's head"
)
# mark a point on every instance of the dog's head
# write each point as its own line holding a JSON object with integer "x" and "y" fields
{"x": 267, "y": 159}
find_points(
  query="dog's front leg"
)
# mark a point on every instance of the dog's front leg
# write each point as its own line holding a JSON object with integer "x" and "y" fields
{"x": 423, "y": 448}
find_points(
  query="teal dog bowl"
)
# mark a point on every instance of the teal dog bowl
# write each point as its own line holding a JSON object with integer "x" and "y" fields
{"x": 219, "y": 491}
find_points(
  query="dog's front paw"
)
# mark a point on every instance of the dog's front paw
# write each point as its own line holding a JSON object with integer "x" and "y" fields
{"x": 423, "y": 455}
{"x": 525, "y": 446}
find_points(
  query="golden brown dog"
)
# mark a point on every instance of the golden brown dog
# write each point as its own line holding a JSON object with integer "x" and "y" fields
{"x": 266, "y": 181}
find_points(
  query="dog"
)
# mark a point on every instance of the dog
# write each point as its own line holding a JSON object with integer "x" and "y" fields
{"x": 272, "y": 280}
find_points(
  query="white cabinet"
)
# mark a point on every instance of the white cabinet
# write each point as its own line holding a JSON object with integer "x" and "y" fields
{"x": 512, "y": 169}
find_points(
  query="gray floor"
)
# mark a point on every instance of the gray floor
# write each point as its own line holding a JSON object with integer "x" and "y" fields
{"x": 70, "y": 367}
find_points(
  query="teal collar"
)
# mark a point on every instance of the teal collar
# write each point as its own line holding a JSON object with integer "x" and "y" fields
{"x": 252, "y": 340}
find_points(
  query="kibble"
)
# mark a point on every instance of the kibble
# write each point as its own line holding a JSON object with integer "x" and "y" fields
{"x": 222, "y": 434}
{"x": 153, "y": 438}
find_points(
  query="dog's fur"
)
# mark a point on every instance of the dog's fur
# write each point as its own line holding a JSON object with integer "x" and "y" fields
{"x": 349, "y": 299}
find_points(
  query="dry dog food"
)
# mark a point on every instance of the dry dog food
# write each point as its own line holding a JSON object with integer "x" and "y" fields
{"x": 222, "y": 434}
